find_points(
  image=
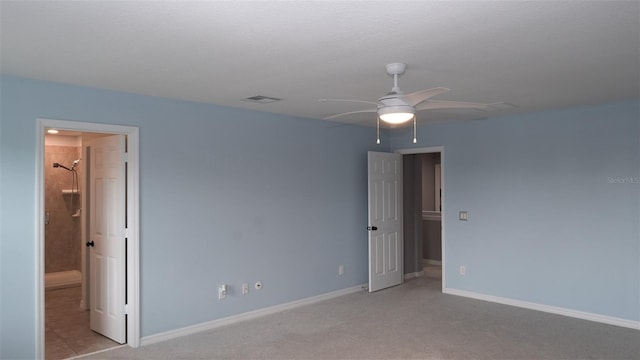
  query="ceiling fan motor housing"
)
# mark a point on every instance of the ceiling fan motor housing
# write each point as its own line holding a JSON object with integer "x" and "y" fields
{"x": 396, "y": 68}
{"x": 396, "y": 109}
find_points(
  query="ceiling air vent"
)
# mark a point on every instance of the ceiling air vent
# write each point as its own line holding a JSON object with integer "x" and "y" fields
{"x": 261, "y": 99}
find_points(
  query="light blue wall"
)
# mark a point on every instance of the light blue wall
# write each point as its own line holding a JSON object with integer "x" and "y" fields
{"x": 553, "y": 201}
{"x": 227, "y": 196}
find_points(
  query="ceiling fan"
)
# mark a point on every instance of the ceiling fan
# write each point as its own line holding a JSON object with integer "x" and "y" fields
{"x": 396, "y": 107}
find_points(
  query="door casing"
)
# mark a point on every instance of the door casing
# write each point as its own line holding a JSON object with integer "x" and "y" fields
{"x": 133, "y": 220}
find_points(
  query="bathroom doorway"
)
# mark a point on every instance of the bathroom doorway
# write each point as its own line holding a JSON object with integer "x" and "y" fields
{"x": 70, "y": 281}
{"x": 68, "y": 329}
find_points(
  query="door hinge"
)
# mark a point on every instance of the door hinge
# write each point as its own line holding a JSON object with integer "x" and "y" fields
{"x": 125, "y": 157}
{"x": 126, "y": 309}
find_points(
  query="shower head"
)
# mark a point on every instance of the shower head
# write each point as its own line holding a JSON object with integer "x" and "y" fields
{"x": 56, "y": 165}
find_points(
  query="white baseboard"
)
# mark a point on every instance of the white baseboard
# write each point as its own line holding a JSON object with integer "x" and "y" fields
{"x": 549, "y": 309}
{"x": 62, "y": 279}
{"x": 414, "y": 274}
{"x": 95, "y": 352}
{"x": 213, "y": 324}
{"x": 431, "y": 262}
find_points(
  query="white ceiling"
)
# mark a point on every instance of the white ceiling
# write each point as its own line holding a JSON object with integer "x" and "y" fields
{"x": 536, "y": 55}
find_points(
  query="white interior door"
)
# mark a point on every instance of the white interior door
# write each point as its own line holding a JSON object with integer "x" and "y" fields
{"x": 385, "y": 220}
{"x": 107, "y": 236}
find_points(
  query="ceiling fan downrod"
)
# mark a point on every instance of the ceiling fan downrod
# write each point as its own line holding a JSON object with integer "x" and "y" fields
{"x": 396, "y": 70}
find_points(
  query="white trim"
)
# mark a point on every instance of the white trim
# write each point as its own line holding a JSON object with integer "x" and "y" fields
{"x": 427, "y": 150}
{"x": 549, "y": 309}
{"x": 39, "y": 216}
{"x": 414, "y": 275}
{"x": 423, "y": 150}
{"x": 214, "y": 324}
{"x": 431, "y": 262}
{"x": 95, "y": 352}
{"x": 133, "y": 247}
{"x": 133, "y": 237}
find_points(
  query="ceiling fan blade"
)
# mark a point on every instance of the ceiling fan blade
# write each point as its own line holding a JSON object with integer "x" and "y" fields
{"x": 347, "y": 100}
{"x": 443, "y": 104}
{"x": 417, "y": 97}
{"x": 352, "y": 112}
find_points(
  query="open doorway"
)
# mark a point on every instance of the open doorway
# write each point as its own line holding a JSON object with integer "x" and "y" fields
{"x": 70, "y": 280}
{"x": 430, "y": 170}
{"x": 423, "y": 206}
{"x": 67, "y": 320}
{"x": 67, "y": 262}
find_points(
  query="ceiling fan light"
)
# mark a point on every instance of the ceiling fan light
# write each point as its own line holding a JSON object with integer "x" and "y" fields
{"x": 396, "y": 114}
{"x": 396, "y": 118}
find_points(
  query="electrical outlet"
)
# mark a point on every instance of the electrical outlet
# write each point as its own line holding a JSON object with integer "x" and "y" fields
{"x": 463, "y": 270}
{"x": 341, "y": 270}
{"x": 245, "y": 289}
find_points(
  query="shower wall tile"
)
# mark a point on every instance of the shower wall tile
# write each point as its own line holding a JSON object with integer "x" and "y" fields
{"x": 62, "y": 234}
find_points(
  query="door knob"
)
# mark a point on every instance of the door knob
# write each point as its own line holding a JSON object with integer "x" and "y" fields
{"x": 372, "y": 228}
{"x": 90, "y": 243}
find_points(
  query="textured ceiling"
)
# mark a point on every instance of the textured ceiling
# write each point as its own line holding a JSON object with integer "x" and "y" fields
{"x": 535, "y": 55}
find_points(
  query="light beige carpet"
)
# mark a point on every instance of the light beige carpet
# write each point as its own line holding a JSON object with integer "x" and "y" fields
{"x": 411, "y": 321}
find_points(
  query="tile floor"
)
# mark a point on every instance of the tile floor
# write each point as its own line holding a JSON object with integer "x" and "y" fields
{"x": 67, "y": 331}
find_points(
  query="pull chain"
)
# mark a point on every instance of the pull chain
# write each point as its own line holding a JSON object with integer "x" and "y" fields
{"x": 415, "y": 131}
{"x": 415, "y": 140}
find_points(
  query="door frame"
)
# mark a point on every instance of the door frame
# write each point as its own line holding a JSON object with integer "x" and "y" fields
{"x": 133, "y": 223}
{"x": 428, "y": 150}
